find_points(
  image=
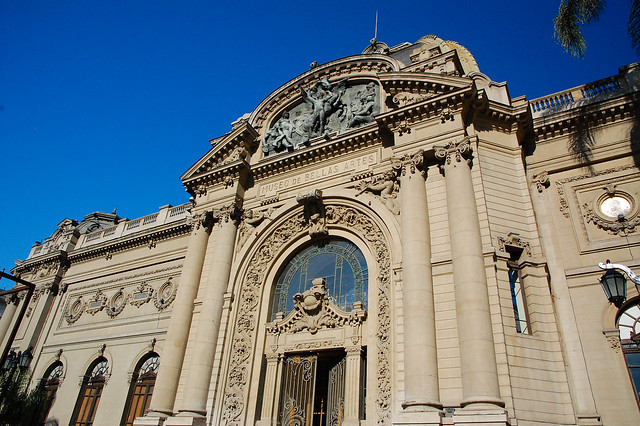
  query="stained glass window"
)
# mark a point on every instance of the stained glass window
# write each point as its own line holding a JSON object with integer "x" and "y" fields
{"x": 339, "y": 262}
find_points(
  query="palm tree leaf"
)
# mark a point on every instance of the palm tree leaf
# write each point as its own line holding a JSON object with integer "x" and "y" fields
{"x": 572, "y": 14}
{"x": 634, "y": 25}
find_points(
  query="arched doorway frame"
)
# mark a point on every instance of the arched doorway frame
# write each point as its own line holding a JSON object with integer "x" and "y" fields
{"x": 262, "y": 260}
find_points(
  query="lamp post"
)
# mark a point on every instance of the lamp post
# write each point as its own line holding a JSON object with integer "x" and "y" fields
{"x": 13, "y": 361}
{"x": 614, "y": 283}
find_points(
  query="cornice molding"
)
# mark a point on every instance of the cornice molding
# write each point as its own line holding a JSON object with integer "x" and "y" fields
{"x": 142, "y": 238}
{"x": 347, "y": 142}
{"x": 608, "y": 111}
{"x": 400, "y": 118}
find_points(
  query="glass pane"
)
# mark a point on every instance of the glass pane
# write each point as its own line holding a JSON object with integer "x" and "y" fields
{"x": 633, "y": 359}
{"x": 339, "y": 262}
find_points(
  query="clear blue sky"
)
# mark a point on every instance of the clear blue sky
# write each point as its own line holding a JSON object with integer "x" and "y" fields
{"x": 105, "y": 104}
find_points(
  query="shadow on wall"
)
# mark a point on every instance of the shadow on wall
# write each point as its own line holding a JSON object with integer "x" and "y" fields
{"x": 634, "y": 136}
{"x": 582, "y": 139}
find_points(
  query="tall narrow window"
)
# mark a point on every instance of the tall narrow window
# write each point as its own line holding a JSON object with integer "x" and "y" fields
{"x": 629, "y": 326}
{"x": 49, "y": 384}
{"x": 339, "y": 262}
{"x": 518, "y": 300}
{"x": 141, "y": 389}
{"x": 90, "y": 393}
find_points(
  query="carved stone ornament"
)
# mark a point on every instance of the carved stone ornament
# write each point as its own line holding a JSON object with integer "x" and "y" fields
{"x": 513, "y": 240}
{"x": 75, "y": 311}
{"x": 409, "y": 163}
{"x": 314, "y": 212}
{"x": 141, "y": 294}
{"x": 165, "y": 295}
{"x": 613, "y": 338}
{"x": 235, "y": 393}
{"x": 614, "y": 211}
{"x": 454, "y": 151}
{"x": 251, "y": 219}
{"x": 403, "y": 99}
{"x": 96, "y": 303}
{"x": 327, "y": 109}
{"x": 231, "y": 211}
{"x": 313, "y": 311}
{"x": 117, "y": 303}
{"x": 541, "y": 181}
{"x": 200, "y": 219}
{"x": 622, "y": 226}
{"x": 385, "y": 188}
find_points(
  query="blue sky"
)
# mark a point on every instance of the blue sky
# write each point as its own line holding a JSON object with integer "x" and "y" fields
{"x": 105, "y": 104}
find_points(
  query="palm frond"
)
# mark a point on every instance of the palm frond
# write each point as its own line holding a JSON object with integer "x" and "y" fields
{"x": 572, "y": 14}
{"x": 634, "y": 25}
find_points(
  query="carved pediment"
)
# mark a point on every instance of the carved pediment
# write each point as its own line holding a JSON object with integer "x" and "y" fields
{"x": 228, "y": 150}
{"x": 313, "y": 311}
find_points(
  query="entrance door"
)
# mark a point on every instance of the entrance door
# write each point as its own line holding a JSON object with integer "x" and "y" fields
{"x": 313, "y": 390}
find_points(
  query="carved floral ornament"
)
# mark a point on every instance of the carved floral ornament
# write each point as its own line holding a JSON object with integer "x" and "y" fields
{"x": 235, "y": 394}
{"x": 115, "y": 304}
{"x": 614, "y": 211}
{"x": 313, "y": 310}
{"x": 454, "y": 151}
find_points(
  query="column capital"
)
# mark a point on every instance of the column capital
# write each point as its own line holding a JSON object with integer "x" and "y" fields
{"x": 229, "y": 212}
{"x": 200, "y": 219}
{"x": 454, "y": 151}
{"x": 409, "y": 163}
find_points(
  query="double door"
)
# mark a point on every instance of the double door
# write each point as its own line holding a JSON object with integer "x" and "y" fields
{"x": 313, "y": 387}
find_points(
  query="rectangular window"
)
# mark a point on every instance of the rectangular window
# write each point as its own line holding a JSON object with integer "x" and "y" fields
{"x": 518, "y": 300}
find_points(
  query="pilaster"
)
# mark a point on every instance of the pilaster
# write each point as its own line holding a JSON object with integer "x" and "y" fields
{"x": 577, "y": 374}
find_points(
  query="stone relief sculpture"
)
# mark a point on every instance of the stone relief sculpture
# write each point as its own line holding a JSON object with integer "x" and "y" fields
{"x": 385, "y": 188}
{"x": 327, "y": 108}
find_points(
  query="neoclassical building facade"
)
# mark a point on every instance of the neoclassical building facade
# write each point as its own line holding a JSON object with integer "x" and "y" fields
{"x": 387, "y": 239}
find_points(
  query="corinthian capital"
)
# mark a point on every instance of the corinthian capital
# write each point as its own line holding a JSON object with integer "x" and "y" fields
{"x": 454, "y": 151}
{"x": 203, "y": 218}
{"x": 231, "y": 211}
{"x": 409, "y": 163}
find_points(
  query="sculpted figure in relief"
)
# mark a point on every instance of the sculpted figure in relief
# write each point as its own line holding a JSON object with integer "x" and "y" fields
{"x": 385, "y": 188}
{"x": 327, "y": 108}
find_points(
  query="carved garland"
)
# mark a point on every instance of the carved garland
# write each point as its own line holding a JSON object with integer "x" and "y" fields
{"x": 234, "y": 399}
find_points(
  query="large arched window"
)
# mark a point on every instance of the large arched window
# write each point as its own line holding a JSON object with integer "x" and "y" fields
{"x": 90, "y": 393}
{"x": 49, "y": 384}
{"x": 339, "y": 262}
{"x": 141, "y": 389}
{"x": 629, "y": 326}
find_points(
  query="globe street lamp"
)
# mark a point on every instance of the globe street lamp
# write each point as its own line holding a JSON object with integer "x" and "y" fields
{"x": 614, "y": 283}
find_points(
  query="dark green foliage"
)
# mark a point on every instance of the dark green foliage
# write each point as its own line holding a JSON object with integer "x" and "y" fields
{"x": 568, "y": 24}
{"x": 19, "y": 405}
{"x": 573, "y": 14}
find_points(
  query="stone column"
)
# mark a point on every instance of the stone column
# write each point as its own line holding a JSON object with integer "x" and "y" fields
{"x": 200, "y": 366}
{"x": 420, "y": 356}
{"x": 7, "y": 317}
{"x": 577, "y": 372}
{"x": 475, "y": 333}
{"x": 175, "y": 343}
{"x": 268, "y": 414}
{"x": 352, "y": 386}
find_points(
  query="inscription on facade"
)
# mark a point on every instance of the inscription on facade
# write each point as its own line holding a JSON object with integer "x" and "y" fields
{"x": 314, "y": 174}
